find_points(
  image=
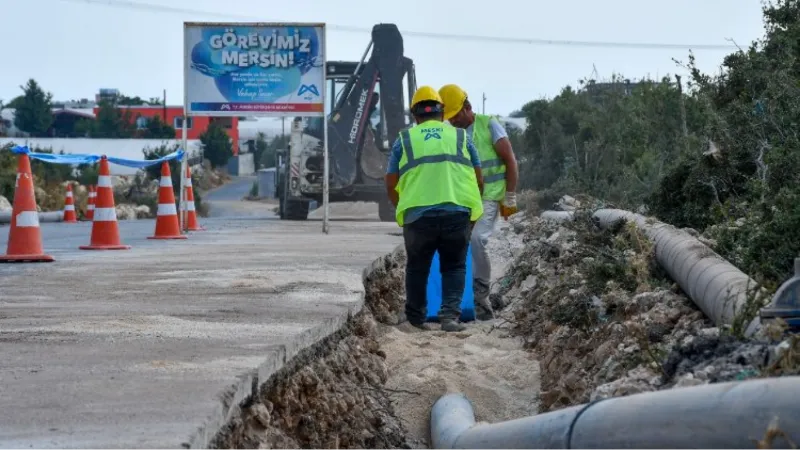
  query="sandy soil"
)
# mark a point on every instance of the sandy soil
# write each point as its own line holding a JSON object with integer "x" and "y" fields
{"x": 491, "y": 369}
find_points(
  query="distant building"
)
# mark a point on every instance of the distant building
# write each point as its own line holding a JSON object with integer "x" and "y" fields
{"x": 195, "y": 126}
{"x": 83, "y": 103}
{"x": 625, "y": 86}
{"x": 67, "y": 115}
{"x": 106, "y": 94}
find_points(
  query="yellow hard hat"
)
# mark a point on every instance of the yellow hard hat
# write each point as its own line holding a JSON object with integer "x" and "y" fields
{"x": 425, "y": 93}
{"x": 453, "y": 98}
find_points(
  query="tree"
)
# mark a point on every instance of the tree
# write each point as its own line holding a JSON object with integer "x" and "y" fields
{"x": 131, "y": 101}
{"x": 747, "y": 179}
{"x": 217, "y": 145}
{"x": 158, "y": 129}
{"x": 87, "y": 173}
{"x": 270, "y": 157}
{"x": 15, "y": 102}
{"x": 154, "y": 171}
{"x": 112, "y": 122}
{"x": 264, "y": 152}
{"x": 34, "y": 113}
{"x": 721, "y": 157}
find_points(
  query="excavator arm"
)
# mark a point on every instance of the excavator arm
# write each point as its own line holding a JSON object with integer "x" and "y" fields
{"x": 386, "y": 67}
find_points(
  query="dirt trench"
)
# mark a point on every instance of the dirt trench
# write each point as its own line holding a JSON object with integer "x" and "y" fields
{"x": 372, "y": 384}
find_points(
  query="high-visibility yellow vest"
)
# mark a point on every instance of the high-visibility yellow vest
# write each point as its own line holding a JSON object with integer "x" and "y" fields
{"x": 435, "y": 168}
{"x": 492, "y": 167}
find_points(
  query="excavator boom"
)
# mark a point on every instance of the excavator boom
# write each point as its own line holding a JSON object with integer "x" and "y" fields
{"x": 367, "y": 110}
{"x": 386, "y": 67}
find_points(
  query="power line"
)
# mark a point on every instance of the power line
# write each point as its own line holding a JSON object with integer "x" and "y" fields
{"x": 128, "y": 4}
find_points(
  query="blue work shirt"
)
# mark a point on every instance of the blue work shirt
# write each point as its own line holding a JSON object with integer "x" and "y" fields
{"x": 415, "y": 213}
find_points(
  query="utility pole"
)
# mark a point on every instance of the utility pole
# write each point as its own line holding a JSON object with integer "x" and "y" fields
{"x": 483, "y": 109}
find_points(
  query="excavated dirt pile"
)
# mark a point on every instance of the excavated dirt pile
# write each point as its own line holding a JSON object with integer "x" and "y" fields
{"x": 604, "y": 320}
{"x": 385, "y": 290}
{"x": 330, "y": 396}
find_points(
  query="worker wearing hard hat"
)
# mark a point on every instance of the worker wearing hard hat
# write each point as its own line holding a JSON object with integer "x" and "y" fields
{"x": 434, "y": 180}
{"x": 499, "y": 166}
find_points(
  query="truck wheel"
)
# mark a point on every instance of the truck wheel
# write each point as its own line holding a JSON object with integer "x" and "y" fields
{"x": 386, "y": 210}
{"x": 292, "y": 209}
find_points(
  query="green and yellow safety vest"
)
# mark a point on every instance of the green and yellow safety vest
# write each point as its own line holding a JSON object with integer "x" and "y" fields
{"x": 435, "y": 168}
{"x": 492, "y": 167}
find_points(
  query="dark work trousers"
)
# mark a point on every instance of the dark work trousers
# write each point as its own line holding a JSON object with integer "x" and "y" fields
{"x": 449, "y": 233}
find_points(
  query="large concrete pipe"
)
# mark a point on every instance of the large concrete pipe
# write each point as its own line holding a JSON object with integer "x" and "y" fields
{"x": 50, "y": 216}
{"x": 718, "y": 288}
{"x": 721, "y": 415}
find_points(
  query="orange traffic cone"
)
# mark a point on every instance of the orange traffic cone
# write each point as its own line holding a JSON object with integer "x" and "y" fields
{"x": 167, "y": 225}
{"x": 69, "y": 207}
{"x": 90, "y": 203}
{"x": 188, "y": 206}
{"x": 24, "y": 236}
{"x": 105, "y": 229}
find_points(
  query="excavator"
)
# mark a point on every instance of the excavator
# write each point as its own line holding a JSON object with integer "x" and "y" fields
{"x": 367, "y": 109}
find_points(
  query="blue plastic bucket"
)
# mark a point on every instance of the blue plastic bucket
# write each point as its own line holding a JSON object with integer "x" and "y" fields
{"x": 435, "y": 291}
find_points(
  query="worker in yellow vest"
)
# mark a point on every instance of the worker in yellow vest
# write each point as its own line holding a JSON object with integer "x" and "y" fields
{"x": 434, "y": 180}
{"x": 500, "y": 174}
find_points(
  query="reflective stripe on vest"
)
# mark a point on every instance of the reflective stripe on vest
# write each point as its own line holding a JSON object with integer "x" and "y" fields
{"x": 492, "y": 167}
{"x": 412, "y": 161}
{"x": 435, "y": 169}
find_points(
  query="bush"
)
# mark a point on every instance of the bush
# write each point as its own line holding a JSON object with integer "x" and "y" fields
{"x": 720, "y": 156}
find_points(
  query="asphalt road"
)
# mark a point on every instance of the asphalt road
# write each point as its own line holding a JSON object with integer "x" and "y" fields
{"x": 146, "y": 347}
{"x": 226, "y": 201}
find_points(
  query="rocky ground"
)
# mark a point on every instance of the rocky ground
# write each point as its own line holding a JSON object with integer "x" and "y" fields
{"x": 330, "y": 396}
{"x": 603, "y": 320}
{"x": 586, "y": 314}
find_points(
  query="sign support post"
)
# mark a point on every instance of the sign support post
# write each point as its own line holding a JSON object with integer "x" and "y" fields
{"x": 184, "y": 165}
{"x": 326, "y": 168}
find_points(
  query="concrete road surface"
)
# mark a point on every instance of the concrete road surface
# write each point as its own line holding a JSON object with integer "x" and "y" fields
{"x": 226, "y": 201}
{"x": 138, "y": 348}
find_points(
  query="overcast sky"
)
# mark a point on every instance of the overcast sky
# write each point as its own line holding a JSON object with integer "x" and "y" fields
{"x": 75, "y": 47}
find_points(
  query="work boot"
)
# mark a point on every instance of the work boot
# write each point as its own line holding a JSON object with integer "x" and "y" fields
{"x": 483, "y": 306}
{"x": 408, "y": 327}
{"x": 421, "y": 326}
{"x": 452, "y": 325}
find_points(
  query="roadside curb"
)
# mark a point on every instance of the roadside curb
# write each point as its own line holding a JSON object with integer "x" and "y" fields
{"x": 246, "y": 389}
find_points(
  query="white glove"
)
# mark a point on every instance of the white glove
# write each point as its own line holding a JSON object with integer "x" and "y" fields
{"x": 510, "y": 200}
